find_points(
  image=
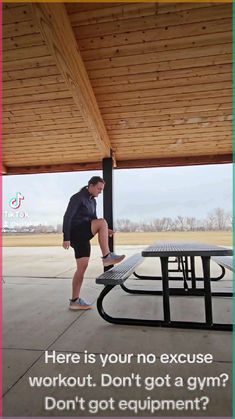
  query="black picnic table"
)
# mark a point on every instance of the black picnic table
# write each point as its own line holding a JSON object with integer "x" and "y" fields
{"x": 165, "y": 250}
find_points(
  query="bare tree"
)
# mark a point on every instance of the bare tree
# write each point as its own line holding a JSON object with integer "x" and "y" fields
{"x": 229, "y": 221}
{"x": 191, "y": 223}
{"x": 218, "y": 219}
{"x": 181, "y": 223}
{"x": 210, "y": 221}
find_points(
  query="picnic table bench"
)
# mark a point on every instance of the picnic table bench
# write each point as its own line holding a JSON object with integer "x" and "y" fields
{"x": 120, "y": 273}
{"x": 224, "y": 262}
{"x": 116, "y": 276}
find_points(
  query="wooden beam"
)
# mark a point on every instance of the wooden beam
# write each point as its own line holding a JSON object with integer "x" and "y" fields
{"x": 124, "y": 164}
{"x": 55, "y": 168}
{"x": 56, "y": 30}
{"x": 175, "y": 161}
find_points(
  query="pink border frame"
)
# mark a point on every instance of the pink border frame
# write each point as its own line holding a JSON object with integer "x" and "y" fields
{"x": 1, "y": 211}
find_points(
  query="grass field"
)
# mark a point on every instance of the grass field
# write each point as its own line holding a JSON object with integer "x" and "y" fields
{"x": 223, "y": 238}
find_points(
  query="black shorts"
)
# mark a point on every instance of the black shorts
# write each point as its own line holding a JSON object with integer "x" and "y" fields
{"x": 81, "y": 235}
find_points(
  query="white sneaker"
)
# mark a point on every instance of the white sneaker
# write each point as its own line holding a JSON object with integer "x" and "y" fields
{"x": 112, "y": 259}
{"x": 79, "y": 304}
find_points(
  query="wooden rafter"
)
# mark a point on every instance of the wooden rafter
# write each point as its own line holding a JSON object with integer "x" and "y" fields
{"x": 124, "y": 164}
{"x": 58, "y": 35}
{"x": 176, "y": 161}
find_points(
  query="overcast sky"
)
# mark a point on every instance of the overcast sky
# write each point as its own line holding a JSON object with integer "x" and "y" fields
{"x": 141, "y": 194}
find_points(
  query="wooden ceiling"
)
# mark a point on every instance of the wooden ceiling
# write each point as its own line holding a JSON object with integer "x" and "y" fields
{"x": 150, "y": 81}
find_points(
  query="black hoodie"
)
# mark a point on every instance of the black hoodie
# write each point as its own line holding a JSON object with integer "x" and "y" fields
{"x": 81, "y": 207}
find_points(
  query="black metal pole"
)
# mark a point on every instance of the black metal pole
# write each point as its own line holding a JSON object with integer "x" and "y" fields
{"x": 165, "y": 288}
{"x": 108, "y": 195}
{"x": 207, "y": 289}
{"x": 193, "y": 274}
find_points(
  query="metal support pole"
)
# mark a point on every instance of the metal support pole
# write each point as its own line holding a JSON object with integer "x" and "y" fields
{"x": 207, "y": 289}
{"x": 108, "y": 195}
{"x": 165, "y": 288}
{"x": 193, "y": 274}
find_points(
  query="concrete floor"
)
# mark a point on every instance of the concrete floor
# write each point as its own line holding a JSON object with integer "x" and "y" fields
{"x": 36, "y": 289}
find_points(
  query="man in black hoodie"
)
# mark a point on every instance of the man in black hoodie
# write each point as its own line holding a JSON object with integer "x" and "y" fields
{"x": 80, "y": 224}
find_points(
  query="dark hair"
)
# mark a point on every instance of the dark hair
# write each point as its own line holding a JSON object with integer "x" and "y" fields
{"x": 93, "y": 181}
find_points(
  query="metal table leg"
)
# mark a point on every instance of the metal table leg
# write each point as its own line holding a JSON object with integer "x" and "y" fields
{"x": 193, "y": 275}
{"x": 207, "y": 288}
{"x": 165, "y": 287}
{"x": 184, "y": 268}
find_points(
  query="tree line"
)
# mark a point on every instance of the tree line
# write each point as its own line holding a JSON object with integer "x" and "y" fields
{"x": 216, "y": 220}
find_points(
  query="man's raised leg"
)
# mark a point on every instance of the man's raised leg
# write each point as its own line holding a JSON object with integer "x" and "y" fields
{"x": 100, "y": 227}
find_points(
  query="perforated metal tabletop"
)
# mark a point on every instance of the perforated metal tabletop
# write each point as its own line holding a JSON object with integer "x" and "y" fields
{"x": 165, "y": 249}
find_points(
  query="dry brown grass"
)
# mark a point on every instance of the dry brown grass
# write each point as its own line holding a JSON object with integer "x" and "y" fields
{"x": 223, "y": 238}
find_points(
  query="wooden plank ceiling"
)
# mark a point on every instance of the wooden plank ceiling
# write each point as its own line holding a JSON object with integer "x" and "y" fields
{"x": 149, "y": 81}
